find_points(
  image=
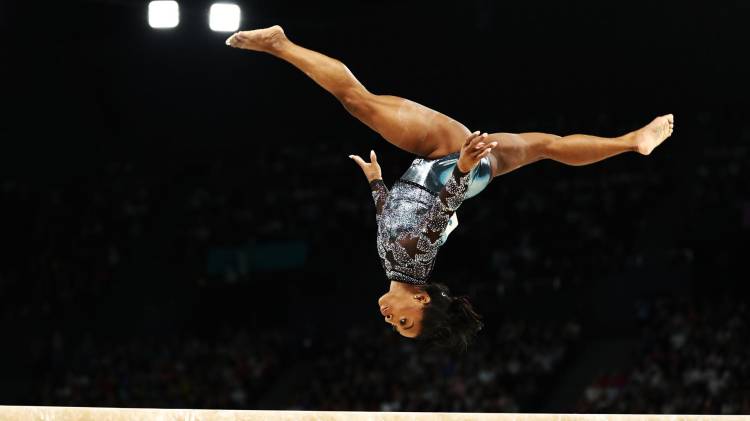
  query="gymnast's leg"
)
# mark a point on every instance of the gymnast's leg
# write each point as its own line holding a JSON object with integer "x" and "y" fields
{"x": 516, "y": 150}
{"x": 406, "y": 124}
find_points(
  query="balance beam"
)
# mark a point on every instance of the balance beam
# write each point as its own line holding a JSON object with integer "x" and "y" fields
{"x": 50, "y": 413}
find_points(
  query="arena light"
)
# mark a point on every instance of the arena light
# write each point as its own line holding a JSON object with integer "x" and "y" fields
{"x": 224, "y": 17}
{"x": 163, "y": 14}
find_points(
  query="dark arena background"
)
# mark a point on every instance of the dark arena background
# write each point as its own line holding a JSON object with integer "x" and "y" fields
{"x": 182, "y": 227}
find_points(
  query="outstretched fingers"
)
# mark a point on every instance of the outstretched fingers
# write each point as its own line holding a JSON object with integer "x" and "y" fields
{"x": 474, "y": 149}
{"x": 371, "y": 169}
{"x": 471, "y": 138}
{"x": 361, "y": 162}
{"x": 478, "y": 147}
{"x": 486, "y": 151}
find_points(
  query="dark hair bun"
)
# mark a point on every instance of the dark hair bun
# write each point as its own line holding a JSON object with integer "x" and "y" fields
{"x": 449, "y": 322}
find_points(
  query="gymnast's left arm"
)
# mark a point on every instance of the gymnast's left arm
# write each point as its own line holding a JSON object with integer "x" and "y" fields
{"x": 375, "y": 178}
{"x": 452, "y": 194}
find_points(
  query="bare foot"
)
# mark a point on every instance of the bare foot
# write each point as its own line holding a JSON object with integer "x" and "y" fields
{"x": 650, "y": 136}
{"x": 266, "y": 40}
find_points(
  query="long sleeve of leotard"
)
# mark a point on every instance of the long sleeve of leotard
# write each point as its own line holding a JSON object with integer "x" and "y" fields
{"x": 450, "y": 198}
{"x": 423, "y": 247}
{"x": 379, "y": 194}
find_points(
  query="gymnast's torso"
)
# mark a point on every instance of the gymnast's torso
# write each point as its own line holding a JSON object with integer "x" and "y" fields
{"x": 416, "y": 216}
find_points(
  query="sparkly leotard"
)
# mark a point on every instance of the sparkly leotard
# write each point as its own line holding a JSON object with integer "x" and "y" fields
{"x": 416, "y": 216}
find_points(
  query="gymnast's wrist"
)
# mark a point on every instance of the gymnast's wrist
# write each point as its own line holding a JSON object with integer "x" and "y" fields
{"x": 375, "y": 180}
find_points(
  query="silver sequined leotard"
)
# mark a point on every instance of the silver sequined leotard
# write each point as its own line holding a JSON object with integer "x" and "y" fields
{"x": 416, "y": 216}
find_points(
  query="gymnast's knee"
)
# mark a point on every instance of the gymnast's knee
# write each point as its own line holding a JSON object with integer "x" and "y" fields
{"x": 356, "y": 100}
{"x": 541, "y": 145}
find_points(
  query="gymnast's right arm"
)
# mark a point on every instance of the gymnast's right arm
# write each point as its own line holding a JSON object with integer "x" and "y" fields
{"x": 375, "y": 178}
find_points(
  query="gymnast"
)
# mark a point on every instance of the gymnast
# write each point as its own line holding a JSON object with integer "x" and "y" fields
{"x": 415, "y": 217}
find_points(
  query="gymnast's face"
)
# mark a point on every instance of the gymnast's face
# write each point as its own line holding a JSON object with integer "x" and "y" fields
{"x": 402, "y": 307}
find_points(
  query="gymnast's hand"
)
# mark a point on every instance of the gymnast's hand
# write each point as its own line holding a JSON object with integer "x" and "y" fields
{"x": 473, "y": 150}
{"x": 371, "y": 169}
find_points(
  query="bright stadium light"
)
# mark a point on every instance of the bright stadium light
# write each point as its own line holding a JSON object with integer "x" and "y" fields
{"x": 224, "y": 17}
{"x": 163, "y": 14}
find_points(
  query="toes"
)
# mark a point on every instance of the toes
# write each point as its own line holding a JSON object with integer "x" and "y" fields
{"x": 233, "y": 41}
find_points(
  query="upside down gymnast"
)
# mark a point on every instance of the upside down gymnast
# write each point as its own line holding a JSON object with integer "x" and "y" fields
{"x": 415, "y": 217}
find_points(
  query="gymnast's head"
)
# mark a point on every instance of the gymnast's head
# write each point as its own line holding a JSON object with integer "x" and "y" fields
{"x": 430, "y": 314}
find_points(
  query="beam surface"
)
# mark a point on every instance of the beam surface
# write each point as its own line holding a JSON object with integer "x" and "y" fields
{"x": 49, "y": 413}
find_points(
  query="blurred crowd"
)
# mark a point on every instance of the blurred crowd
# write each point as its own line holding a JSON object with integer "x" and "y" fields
{"x": 690, "y": 358}
{"x": 509, "y": 368}
{"x": 229, "y": 371}
{"x": 360, "y": 370}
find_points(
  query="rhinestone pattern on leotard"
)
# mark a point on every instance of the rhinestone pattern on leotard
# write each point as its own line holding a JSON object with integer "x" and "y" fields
{"x": 411, "y": 221}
